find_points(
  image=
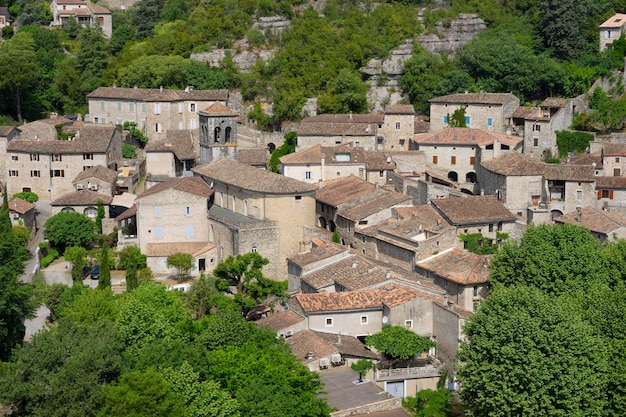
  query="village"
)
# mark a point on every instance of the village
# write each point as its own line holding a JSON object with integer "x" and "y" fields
{"x": 376, "y": 219}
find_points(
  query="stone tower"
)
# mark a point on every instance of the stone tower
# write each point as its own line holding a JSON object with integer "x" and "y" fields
{"x": 218, "y": 133}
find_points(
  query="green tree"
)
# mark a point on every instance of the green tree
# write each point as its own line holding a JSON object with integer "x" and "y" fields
{"x": 76, "y": 255}
{"x": 27, "y": 196}
{"x": 92, "y": 58}
{"x": 61, "y": 372}
{"x": 105, "y": 267}
{"x": 607, "y": 114}
{"x": 422, "y": 74}
{"x": 243, "y": 276}
{"x": 100, "y": 216}
{"x": 129, "y": 151}
{"x": 528, "y": 353}
{"x": 398, "y": 342}
{"x": 289, "y": 146}
{"x": 70, "y": 229}
{"x": 202, "y": 291}
{"x": 556, "y": 259}
{"x": 429, "y": 403}
{"x": 145, "y": 15}
{"x": 362, "y": 366}
{"x": 19, "y": 66}
{"x": 141, "y": 393}
{"x": 458, "y": 118}
{"x": 132, "y": 281}
{"x": 182, "y": 262}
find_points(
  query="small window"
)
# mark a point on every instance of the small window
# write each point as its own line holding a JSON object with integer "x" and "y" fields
{"x": 119, "y": 106}
{"x": 579, "y": 195}
{"x": 616, "y": 159}
{"x": 34, "y": 157}
{"x": 308, "y": 175}
{"x": 143, "y": 107}
{"x": 298, "y": 197}
{"x": 254, "y": 248}
{"x": 88, "y": 156}
{"x": 435, "y": 159}
{"x": 408, "y": 324}
{"x": 489, "y": 122}
{"x": 14, "y": 158}
{"x": 157, "y": 212}
{"x": 35, "y": 173}
{"x": 363, "y": 319}
{"x": 536, "y": 142}
{"x": 397, "y": 125}
{"x": 102, "y": 105}
{"x": 329, "y": 322}
{"x": 491, "y": 227}
{"x": 467, "y": 120}
{"x": 381, "y": 174}
{"x": 445, "y": 120}
{"x": 158, "y": 231}
{"x": 86, "y": 167}
{"x": 157, "y": 108}
{"x": 472, "y": 160}
{"x": 13, "y": 173}
{"x": 475, "y": 290}
{"x": 192, "y": 107}
{"x": 187, "y": 211}
{"x": 180, "y": 108}
{"x": 131, "y": 106}
{"x": 453, "y": 160}
{"x": 402, "y": 142}
{"x": 157, "y": 127}
{"x": 605, "y": 193}
{"x": 189, "y": 230}
{"x": 57, "y": 173}
{"x": 57, "y": 157}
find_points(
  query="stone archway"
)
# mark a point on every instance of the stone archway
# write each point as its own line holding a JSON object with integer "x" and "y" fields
{"x": 471, "y": 177}
{"x": 555, "y": 214}
{"x": 271, "y": 147}
{"x": 331, "y": 226}
{"x": 322, "y": 222}
{"x": 453, "y": 176}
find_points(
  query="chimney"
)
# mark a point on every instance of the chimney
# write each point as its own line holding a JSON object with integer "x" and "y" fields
{"x": 339, "y": 338}
{"x": 161, "y": 89}
{"x": 319, "y": 184}
{"x": 353, "y": 264}
{"x": 350, "y": 115}
{"x": 578, "y": 215}
{"x": 114, "y": 85}
{"x": 387, "y": 274}
{"x": 481, "y": 94}
{"x": 135, "y": 87}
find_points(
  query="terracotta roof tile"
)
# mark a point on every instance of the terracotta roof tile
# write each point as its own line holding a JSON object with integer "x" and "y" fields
{"x": 466, "y": 136}
{"x": 155, "y": 94}
{"x": 473, "y": 210}
{"x": 340, "y": 301}
{"x": 616, "y": 21}
{"x": 82, "y": 198}
{"x": 347, "y": 345}
{"x": 252, "y": 179}
{"x": 317, "y": 254}
{"x": 474, "y": 98}
{"x": 614, "y": 149}
{"x": 523, "y": 112}
{"x": 280, "y": 320}
{"x": 191, "y": 185}
{"x": 253, "y": 156}
{"x": 594, "y": 219}
{"x": 515, "y": 164}
{"x": 340, "y": 190}
{"x": 569, "y": 172}
{"x": 310, "y": 155}
{"x": 132, "y": 211}
{"x": 377, "y": 201}
{"x": 337, "y": 129}
{"x": 399, "y": 109}
{"x": 420, "y": 126}
{"x": 610, "y": 183}
{"x": 20, "y": 206}
{"x": 91, "y": 139}
{"x": 99, "y": 172}
{"x": 587, "y": 159}
{"x": 178, "y": 142}
{"x": 555, "y": 102}
{"x": 307, "y": 341}
{"x": 219, "y": 109}
{"x": 345, "y": 118}
{"x": 6, "y": 130}
{"x": 459, "y": 266}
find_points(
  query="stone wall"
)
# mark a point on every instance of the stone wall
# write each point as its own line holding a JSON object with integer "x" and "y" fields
{"x": 394, "y": 403}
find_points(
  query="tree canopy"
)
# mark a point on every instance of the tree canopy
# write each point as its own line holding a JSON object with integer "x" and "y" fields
{"x": 70, "y": 229}
{"x": 398, "y": 342}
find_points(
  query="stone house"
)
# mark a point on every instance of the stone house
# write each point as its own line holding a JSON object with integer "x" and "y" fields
{"x": 320, "y": 255}
{"x": 170, "y": 156}
{"x": 403, "y": 242}
{"x": 384, "y": 132}
{"x": 285, "y": 323}
{"x": 84, "y": 202}
{"x": 603, "y": 225}
{"x": 154, "y": 110}
{"x": 7, "y": 134}
{"x": 367, "y": 210}
{"x": 613, "y": 156}
{"x": 611, "y": 29}
{"x": 479, "y": 214}
{"x": 611, "y": 192}
{"x": 86, "y": 13}
{"x": 22, "y": 213}
{"x": 541, "y": 124}
{"x": 333, "y": 194}
{"x": 171, "y": 217}
{"x": 535, "y": 191}
{"x": 97, "y": 178}
{"x": 464, "y": 276}
{"x": 275, "y": 211}
{"x": 319, "y": 163}
{"x": 47, "y": 165}
{"x": 488, "y": 111}
{"x": 458, "y": 151}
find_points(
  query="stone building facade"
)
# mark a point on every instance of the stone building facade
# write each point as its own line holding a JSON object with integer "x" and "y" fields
{"x": 218, "y": 133}
{"x": 488, "y": 111}
{"x": 542, "y": 123}
{"x": 611, "y": 30}
{"x": 86, "y": 13}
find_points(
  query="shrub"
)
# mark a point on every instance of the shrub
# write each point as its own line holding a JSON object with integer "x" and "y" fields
{"x": 49, "y": 258}
{"x": 27, "y": 196}
{"x": 129, "y": 151}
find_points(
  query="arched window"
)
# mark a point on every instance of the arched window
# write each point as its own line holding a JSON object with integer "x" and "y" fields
{"x": 234, "y": 204}
{"x": 91, "y": 212}
{"x": 216, "y": 135}
{"x": 68, "y": 210}
{"x": 227, "y": 134}
{"x": 245, "y": 207}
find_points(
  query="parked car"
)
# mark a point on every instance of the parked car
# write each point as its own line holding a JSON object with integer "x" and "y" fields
{"x": 86, "y": 271}
{"x": 95, "y": 272}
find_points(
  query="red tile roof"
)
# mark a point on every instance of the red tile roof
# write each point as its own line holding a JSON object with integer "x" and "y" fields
{"x": 474, "y": 98}
{"x": 20, "y": 206}
{"x": 191, "y": 185}
{"x": 594, "y": 219}
{"x": 466, "y": 136}
{"x": 459, "y": 266}
{"x": 337, "y": 191}
{"x": 477, "y": 209}
{"x": 340, "y": 301}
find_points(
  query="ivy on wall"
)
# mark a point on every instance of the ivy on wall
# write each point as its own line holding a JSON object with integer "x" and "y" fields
{"x": 480, "y": 245}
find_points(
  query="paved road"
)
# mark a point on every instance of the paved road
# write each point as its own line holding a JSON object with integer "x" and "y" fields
{"x": 42, "y": 213}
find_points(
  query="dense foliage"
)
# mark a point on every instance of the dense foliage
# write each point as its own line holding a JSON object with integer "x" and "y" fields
{"x": 140, "y": 353}
{"x": 398, "y": 342}
{"x": 70, "y": 229}
{"x": 561, "y": 294}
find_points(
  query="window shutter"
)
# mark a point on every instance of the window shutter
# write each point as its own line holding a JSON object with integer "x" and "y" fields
{"x": 611, "y": 194}
{"x": 599, "y": 194}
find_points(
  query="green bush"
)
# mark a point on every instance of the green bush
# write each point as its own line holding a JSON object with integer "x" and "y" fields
{"x": 129, "y": 151}
{"x": 49, "y": 258}
{"x": 27, "y": 196}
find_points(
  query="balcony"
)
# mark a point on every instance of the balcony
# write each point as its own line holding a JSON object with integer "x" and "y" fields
{"x": 415, "y": 372}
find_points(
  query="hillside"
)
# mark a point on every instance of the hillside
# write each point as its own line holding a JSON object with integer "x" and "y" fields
{"x": 349, "y": 56}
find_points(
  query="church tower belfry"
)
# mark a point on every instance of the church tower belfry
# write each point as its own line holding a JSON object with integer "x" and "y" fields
{"x": 218, "y": 133}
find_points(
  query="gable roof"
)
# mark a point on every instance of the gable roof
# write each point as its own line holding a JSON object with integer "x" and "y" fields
{"x": 373, "y": 203}
{"x": 191, "y": 185}
{"x": 340, "y": 190}
{"x": 346, "y": 345}
{"x": 6, "y": 130}
{"x": 610, "y": 183}
{"x": 156, "y": 94}
{"x": 373, "y": 160}
{"x": 476, "y": 209}
{"x": 594, "y": 219}
{"x": 516, "y": 164}
{"x": 280, "y": 320}
{"x": 587, "y": 159}
{"x": 19, "y": 206}
{"x": 466, "y": 136}
{"x": 400, "y": 109}
{"x": 178, "y": 142}
{"x": 614, "y": 149}
{"x": 474, "y": 98}
{"x": 616, "y": 21}
{"x": 253, "y": 179}
{"x": 253, "y": 156}
{"x": 317, "y": 253}
{"x": 340, "y": 301}
{"x": 218, "y": 109}
{"x": 459, "y": 266}
{"x": 82, "y": 198}
{"x": 90, "y": 138}
{"x": 99, "y": 172}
